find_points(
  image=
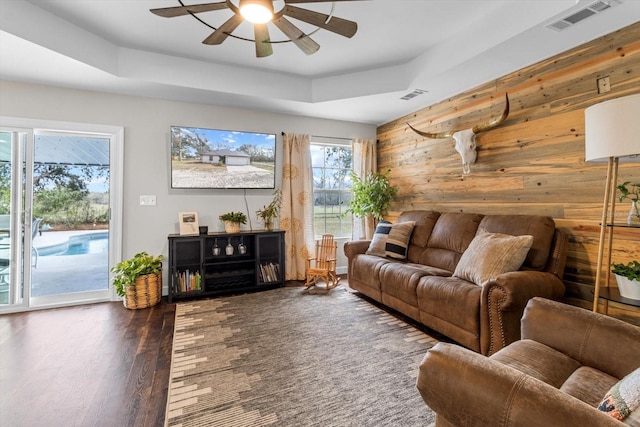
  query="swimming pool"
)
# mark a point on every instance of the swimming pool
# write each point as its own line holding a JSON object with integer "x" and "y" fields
{"x": 91, "y": 243}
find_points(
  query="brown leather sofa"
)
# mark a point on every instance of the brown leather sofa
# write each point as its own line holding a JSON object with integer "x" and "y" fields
{"x": 557, "y": 375}
{"x": 484, "y": 317}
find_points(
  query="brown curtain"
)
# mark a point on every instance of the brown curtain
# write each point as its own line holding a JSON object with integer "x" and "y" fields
{"x": 296, "y": 214}
{"x": 364, "y": 161}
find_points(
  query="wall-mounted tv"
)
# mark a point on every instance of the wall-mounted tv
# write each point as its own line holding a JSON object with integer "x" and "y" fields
{"x": 216, "y": 158}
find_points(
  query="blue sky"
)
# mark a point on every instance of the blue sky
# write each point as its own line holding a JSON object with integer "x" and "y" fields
{"x": 232, "y": 139}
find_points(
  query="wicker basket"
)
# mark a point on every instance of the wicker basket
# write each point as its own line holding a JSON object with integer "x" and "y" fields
{"x": 146, "y": 292}
{"x": 231, "y": 227}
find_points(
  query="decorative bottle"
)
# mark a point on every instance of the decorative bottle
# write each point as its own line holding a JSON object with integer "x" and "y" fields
{"x": 242, "y": 249}
{"x": 229, "y": 249}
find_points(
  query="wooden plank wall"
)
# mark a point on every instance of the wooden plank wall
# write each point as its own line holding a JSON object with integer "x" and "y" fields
{"x": 534, "y": 162}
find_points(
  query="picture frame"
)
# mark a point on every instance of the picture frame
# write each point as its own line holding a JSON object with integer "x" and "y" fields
{"x": 188, "y": 223}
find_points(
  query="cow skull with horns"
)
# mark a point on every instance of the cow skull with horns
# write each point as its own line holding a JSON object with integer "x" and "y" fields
{"x": 466, "y": 139}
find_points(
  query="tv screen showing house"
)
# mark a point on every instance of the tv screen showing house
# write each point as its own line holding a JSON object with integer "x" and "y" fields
{"x": 216, "y": 158}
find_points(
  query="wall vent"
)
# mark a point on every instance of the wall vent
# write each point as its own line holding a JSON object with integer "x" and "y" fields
{"x": 413, "y": 94}
{"x": 582, "y": 14}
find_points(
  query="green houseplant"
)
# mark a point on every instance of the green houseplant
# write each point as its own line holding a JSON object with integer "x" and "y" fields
{"x": 139, "y": 280}
{"x": 372, "y": 195}
{"x": 632, "y": 192}
{"x": 269, "y": 212}
{"x": 232, "y": 221}
{"x": 628, "y": 278}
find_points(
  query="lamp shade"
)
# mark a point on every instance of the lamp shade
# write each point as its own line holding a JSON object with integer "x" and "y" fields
{"x": 612, "y": 129}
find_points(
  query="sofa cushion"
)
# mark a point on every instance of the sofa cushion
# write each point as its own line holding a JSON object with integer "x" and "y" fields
{"x": 491, "y": 254}
{"x": 428, "y": 270}
{"x": 366, "y": 269}
{"x": 399, "y": 280}
{"x": 450, "y": 237}
{"x": 391, "y": 240}
{"x": 425, "y": 221}
{"x": 588, "y": 384}
{"x": 542, "y": 228}
{"x": 538, "y": 360}
{"x": 622, "y": 401}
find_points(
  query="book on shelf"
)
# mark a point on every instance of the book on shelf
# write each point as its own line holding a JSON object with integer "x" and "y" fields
{"x": 189, "y": 281}
{"x": 269, "y": 272}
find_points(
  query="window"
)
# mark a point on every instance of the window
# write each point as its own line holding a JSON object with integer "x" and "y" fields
{"x": 331, "y": 165}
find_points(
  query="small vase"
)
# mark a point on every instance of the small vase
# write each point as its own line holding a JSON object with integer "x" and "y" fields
{"x": 242, "y": 249}
{"x": 215, "y": 250}
{"x": 634, "y": 214}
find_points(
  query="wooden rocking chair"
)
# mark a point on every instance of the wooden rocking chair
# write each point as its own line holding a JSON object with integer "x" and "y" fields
{"x": 323, "y": 266}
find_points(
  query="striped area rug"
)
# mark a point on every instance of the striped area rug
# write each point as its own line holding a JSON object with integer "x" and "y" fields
{"x": 291, "y": 357}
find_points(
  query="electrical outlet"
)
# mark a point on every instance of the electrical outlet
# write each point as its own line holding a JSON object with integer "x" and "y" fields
{"x": 604, "y": 85}
{"x": 147, "y": 200}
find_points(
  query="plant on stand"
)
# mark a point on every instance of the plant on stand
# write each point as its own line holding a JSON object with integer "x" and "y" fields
{"x": 628, "y": 278}
{"x": 632, "y": 193}
{"x": 371, "y": 196}
{"x": 269, "y": 212}
{"x": 139, "y": 280}
{"x": 232, "y": 221}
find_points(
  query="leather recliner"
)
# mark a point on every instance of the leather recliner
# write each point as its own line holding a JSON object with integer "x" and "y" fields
{"x": 556, "y": 375}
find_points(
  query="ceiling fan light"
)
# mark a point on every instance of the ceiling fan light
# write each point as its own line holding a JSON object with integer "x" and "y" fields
{"x": 257, "y": 11}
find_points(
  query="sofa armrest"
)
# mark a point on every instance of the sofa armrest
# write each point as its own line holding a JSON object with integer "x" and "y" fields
{"x": 468, "y": 389}
{"x": 558, "y": 255}
{"x": 593, "y": 339}
{"x": 355, "y": 247}
{"x": 502, "y": 304}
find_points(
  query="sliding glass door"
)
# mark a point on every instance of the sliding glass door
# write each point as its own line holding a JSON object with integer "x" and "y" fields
{"x": 12, "y": 183}
{"x": 58, "y": 197}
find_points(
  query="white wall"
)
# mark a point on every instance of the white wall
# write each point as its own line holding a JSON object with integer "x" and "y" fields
{"x": 146, "y": 151}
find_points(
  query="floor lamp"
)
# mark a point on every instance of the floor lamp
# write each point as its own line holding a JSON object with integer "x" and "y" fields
{"x": 612, "y": 134}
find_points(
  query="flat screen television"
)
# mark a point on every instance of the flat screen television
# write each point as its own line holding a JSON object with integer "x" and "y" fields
{"x": 222, "y": 159}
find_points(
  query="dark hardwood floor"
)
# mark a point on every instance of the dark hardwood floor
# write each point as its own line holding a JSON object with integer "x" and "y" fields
{"x": 90, "y": 365}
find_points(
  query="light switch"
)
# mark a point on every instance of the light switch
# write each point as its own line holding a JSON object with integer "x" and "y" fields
{"x": 147, "y": 200}
{"x": 604, "y": 84}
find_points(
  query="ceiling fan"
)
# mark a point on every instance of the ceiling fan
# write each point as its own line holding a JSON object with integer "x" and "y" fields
{"x": 260, "y": 13}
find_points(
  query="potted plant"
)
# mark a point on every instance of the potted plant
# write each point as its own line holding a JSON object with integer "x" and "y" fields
{"x": 232, "y": 221}
{"x": 632, "y": 193}
{"x": 139, "y": 280}
{"x": 372, "y": 195}
{"x": 628, "y": 278}
{"x": 269, "y": 212}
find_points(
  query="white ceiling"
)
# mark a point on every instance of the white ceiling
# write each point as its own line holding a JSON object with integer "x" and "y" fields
{"x": 440, "y": 46}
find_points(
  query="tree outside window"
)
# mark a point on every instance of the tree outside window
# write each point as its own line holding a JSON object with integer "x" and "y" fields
{"x": 331, "y": 189}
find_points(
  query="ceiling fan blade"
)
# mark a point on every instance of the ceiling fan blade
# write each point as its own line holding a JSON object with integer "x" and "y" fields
{"x": 314, "y": 1}
{"x": 263, "y": 40}
{"x": 336, "y": 25}
{"x": 304, "y": 42}
{"x": 223, "y": 31}
{"x": 170, "y": 12}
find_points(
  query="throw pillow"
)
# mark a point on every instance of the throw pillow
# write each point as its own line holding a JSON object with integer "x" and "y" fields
{"x": 391, "y": 240}
{"x": 376, "y": 247}
{"x": 490, "y": 254}
{"x": 398, "y": 240}
{"x": 622, "y": 402}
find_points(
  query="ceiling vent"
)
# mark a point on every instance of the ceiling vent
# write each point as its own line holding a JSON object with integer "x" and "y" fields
{"x": 413, "y": 94}
{"x": 582, "y": 14}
